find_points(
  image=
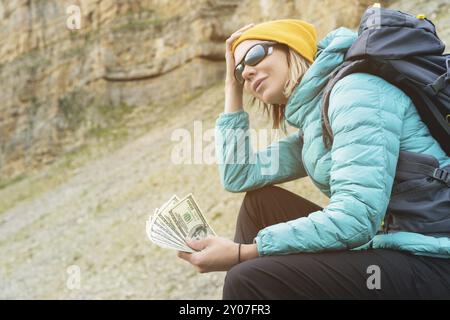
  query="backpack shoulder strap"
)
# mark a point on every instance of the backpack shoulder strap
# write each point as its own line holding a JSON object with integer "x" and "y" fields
{"x": 343, "y": 70}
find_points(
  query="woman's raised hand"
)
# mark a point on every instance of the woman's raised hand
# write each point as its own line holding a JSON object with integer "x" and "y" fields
{"x": 233, "y": 89}
{"x": 229, "y": 54}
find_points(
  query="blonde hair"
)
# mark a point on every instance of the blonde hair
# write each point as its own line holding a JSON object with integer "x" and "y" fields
{"x": 297, "y": 67}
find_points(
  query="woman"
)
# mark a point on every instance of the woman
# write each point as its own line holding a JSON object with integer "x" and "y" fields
{"x": 286, "y": 247}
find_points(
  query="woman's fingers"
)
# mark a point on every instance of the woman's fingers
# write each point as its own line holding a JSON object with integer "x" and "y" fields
{"x": 228, "y": 53}
{"x": 231, "y": 39}
{"x": 185, "y": 256}
{"x": 193, "y": 258}
{"x": 237, "y": 33}
{"x": 246, "y": 27}
{"x": 199, "y": 245}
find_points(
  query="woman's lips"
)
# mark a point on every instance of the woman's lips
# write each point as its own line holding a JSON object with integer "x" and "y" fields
{"x": 259, "y": 85}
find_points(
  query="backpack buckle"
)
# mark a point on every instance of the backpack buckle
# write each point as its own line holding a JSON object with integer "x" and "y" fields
{"x": 442, "y": 175}
{"x": 421, "y": 16}
{"x": 441, "y": 82}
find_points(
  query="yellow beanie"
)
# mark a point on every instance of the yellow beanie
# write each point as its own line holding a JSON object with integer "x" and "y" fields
{"x": 297, "y": 34}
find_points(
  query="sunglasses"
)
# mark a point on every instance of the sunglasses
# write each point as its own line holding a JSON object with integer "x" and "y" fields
{"x": 252, "y": 57}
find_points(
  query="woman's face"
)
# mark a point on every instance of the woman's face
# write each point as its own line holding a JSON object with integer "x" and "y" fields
{"x": 273, "y": 69}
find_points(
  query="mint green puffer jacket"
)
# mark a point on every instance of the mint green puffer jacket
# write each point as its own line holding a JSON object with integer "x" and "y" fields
{"x": 372, "y": 121}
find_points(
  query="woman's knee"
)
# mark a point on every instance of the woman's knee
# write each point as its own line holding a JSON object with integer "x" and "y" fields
{"x": 239, "y": 282}
{"x": 256, "y": 199}
{"x": 277, "y": 277}
{"x": 261, "y": 194}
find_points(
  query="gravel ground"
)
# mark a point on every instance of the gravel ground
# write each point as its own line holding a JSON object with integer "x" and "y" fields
{"x": 92, "y": 216}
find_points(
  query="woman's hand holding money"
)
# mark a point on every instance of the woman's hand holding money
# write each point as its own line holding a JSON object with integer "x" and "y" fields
{"x": 217, "y": 254}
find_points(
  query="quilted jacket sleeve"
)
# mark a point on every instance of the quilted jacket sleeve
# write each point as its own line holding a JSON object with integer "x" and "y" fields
{"x": 366, "y": 118}
{"x": 241, "y": 169}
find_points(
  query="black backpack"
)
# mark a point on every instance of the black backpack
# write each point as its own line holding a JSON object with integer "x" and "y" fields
{"x": 406, "y": 51}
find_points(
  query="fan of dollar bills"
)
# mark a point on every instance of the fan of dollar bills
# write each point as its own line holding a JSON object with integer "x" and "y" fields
{"x": 177, "y": 221}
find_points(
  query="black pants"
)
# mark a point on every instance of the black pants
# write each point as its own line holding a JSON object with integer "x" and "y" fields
{"x": 329, "y": 275}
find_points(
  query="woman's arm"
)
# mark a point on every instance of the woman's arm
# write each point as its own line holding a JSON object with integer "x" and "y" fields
{"x": 241, "y": 169}
{"x": 365, "y": 116}
{"x": 233, "y": 89}
{"x": 233, "y": 97}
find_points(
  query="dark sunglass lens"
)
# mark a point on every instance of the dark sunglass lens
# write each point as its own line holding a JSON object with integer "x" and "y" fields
{"x": 238, "y": 73}
{"x": 255, "y": 55}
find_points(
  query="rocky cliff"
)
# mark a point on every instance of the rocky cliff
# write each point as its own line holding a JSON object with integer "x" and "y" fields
{"x": 88, "y": 210}
{"x": 59, "y": 84}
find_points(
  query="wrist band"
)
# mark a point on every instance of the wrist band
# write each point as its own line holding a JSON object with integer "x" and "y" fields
{"x": 239, "y": 253}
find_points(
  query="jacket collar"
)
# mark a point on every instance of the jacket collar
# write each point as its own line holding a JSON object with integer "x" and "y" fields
{"x": 330, "y": 54}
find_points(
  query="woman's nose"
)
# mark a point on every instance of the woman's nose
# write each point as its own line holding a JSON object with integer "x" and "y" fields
{"x": 248, "y": 73}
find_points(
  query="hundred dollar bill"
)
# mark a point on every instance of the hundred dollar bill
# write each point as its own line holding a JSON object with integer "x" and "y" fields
{"x": 165, "y": 233}
{"x": 172, "y": 201}
{"x": 189, "y": 219}
{"x": 165, "y": 230}
{"x": 164, "y": 244}
{"x": 164, "y": 221}
{"x": 163, "y": 238}
{"x": 175, "y": 222}
{"x": 162, "y": 229}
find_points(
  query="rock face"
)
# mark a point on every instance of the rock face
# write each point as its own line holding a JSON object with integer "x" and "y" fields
{"x": 55, "y": 81}
{"x": 90, "y": 214}
{"x": 131, "y": 53}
